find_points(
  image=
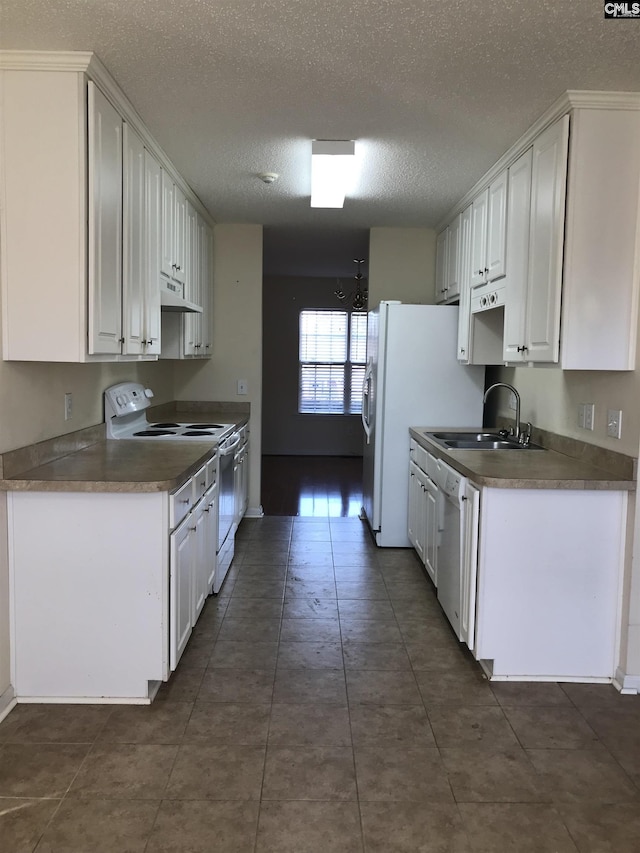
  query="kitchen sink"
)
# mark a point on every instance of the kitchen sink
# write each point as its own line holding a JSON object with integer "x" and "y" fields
{"x": 478, "y": 441}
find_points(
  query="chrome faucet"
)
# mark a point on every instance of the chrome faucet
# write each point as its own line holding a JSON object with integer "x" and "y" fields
{"x": 514, "y": 431}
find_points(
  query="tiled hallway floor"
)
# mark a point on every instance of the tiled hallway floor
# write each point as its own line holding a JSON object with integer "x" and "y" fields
{"x": 324, "y": 706}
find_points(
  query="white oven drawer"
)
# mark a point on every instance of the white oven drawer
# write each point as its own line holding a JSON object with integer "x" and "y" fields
{"x": 180, "y": 502}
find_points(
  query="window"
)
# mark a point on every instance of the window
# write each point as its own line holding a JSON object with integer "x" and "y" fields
{"x": 333, "y": 351}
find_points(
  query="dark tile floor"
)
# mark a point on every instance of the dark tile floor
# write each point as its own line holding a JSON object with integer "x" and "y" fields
{"x": 324, "y": 706}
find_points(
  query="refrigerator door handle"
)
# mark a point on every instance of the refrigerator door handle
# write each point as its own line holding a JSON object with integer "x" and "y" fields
{"x": 366, "y": 391}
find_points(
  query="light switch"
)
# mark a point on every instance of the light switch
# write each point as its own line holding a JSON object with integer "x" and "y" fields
{"x": 614, "y": 423}
{"x": 242, "y": 386}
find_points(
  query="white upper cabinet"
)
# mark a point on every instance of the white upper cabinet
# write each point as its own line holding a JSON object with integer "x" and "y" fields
{"x": 488, "y": 233}
{"x": 464, "y": 310}
{"x": 153, "y": 241}
{"x": 453, "y": 260}
{"x": 546, "y": 241}
{"x": 518, "y": 221}
{"x": 105, "y": 224}
{"x": 81, "y": 215}
{"x": 133, "y": 243}
{"x": 442, "y": 245}
{"x": 557, "y": 224}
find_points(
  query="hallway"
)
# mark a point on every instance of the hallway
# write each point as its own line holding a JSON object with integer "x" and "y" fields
{"x": 324, "y": 706}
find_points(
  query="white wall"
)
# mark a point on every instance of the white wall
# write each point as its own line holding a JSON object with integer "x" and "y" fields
{"x": 237, "y": 336}
{"x": 402, "y": 265}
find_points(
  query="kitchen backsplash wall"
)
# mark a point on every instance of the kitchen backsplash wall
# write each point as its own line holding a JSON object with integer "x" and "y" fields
{"x": 550, "y": 399}
{"x": 32, "y": 396}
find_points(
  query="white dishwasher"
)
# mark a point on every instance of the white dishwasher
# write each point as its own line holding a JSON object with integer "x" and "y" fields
{"x": 451, "y": 525}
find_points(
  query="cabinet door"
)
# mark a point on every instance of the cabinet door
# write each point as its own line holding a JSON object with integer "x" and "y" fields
{"x": 180, "y": 591}
{"x": 479, "y": 210}
{"x": 431, "y": 529}
{"x": 133, "y": 243}
{"x": 153, "y": 252}
{"x": 212, "y": 536}
{"x": 518, "y": 222}
{"x": 470, "y": 564}
{"x": 105, "y": 225}
{"x": 441, "y": 265}
{"x": 495, "y": 266}
{"x": 206, "y": 288}
{"x": 464, "y": 273}
{"x": 413, "y": 504}
{"x": 200, "y": 563}
{"x": 453, "y": 259}
{"x": 180, "y": 235}
{"x": 168, "y": 225}
{"x": 546, "y": 241}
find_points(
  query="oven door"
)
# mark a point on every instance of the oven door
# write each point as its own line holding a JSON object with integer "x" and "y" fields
{"x": 226, "y": 510}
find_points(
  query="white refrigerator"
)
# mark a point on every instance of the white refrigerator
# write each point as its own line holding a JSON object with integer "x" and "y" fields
{"x": 412, "y": 378}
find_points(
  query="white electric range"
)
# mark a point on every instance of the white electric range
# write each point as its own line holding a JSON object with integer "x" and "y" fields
{"x": 125, "y": 407}
{"x": 125, "y": 417}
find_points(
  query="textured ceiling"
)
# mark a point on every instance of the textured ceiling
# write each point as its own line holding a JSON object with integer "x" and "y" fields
{"x": 434, "y": 91}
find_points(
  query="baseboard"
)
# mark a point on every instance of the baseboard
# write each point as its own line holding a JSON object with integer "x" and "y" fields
{"x": 254, "y": 512}
{"x": 626, "y": 683}
{"x": 7, "y": 702}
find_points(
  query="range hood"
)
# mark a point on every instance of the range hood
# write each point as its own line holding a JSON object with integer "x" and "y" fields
{"x": 172, "y": 298}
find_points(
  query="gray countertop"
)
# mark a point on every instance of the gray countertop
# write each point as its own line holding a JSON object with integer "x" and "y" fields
{"x": 119, "y": 465}
{"x": 523, "y": 469}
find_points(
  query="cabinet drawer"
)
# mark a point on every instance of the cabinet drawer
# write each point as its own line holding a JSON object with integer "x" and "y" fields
{"x": 421, "y": 457}
{"x": 199, "y": 481}
{"x": 212, "y": 471}
{"x": 180, "y": 502}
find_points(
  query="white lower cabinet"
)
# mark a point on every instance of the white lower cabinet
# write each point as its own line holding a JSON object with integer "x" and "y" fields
{"x": 548, "y": 586}
{"x": 105, "y": 597}
{"x": 423, "y": 514}
{"x": 183, "y": 551}
{"x": 540, "y": 574}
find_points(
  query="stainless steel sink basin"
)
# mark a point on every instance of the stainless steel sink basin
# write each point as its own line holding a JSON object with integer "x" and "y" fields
{"x": 478, "y": 441}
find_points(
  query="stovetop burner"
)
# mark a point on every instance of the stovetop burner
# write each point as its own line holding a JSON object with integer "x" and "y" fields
{"x": 155, "y": 432}
{"x": 197, "y": 432}
{"x": 162, "y": 426}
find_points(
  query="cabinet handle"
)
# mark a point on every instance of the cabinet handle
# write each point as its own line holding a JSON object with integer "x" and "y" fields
{"x": 120, "y": 340}
{"x": 464, "y": 498}
{"x": 462, "y": 351}
{"x": 206, "y": 509}
{"x": 192, "y": 528}
{"x": 486, "y": 270}
{"x": 185, "y": 502}
{"x": 522, "y": 349}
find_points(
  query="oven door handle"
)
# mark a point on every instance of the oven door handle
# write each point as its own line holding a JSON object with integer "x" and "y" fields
{"x": 226, "y": 449}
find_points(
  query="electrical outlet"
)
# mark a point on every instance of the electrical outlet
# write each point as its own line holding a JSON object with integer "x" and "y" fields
{"x": 68, "y": 406}
{"x": 614, "y": 423}
{"x": 512, "y": 401}
{"x": 243, "y": 386}
{"x": 589, "y": 415}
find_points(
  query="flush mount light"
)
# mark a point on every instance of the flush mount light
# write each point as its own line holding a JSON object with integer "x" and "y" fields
{"x": 332, "y": 166}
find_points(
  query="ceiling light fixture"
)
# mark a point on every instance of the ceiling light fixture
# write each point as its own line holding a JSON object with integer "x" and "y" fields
{"x": 332, "y": 167}
{"x": 359, "y": 297}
